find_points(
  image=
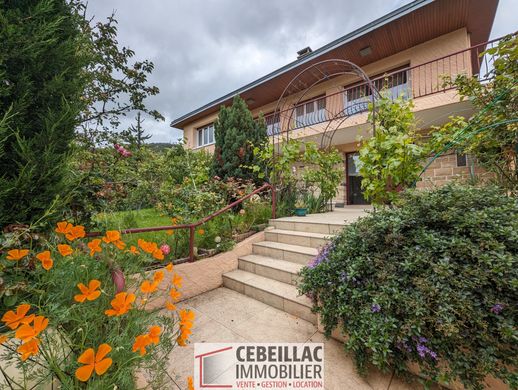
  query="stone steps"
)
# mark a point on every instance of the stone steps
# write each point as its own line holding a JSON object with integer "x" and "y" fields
{"x": 280, "y": 270}
{"x": 280, "y": 295}
{"x": 277, "y": 250}
{"x": 309, "y": 239}
{"x": 309, "y": 226}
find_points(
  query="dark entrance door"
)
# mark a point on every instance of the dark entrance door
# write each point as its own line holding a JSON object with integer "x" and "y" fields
{"x": 354, "y": 181}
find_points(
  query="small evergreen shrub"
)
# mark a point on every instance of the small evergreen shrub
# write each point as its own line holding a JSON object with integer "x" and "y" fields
{"x": 432, "y": 280}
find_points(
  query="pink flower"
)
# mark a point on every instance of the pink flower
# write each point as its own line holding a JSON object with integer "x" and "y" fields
{"x": 166, "y": 249}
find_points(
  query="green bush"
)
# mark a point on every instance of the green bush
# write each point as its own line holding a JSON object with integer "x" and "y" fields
{"x": 432, "y": 280}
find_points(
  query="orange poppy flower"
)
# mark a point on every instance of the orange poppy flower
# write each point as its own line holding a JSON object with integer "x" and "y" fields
{"x": 63, "y": 227}
{"x": 30, "y": 348}
{"x": 154, "y": 334}
{"x": 65, "y": 250}
{"x": 181, "y": 341}
{"x": 95, "y": 246}
{"x": 169, "y": 267}
{"x": 148, "y": 287}
{"x": 111, "y": 236}
{"x": 119, "y": 244}
{"x": 148, "y": 247}
{"x": 14, "y": 320}
{"x": 158, "y": 277}
{"x": 17, "y": 254}
{"x": 177, "y": 281}
{"x": 90, "y": 293}
{"x": 175, "y": 295}
{"x": 3, "y": 339}
{"x": 93, "y": 361}
{"x": 121, "y": 304}
{"x": 170, "y": 306}
{"x": 28, "y": 332}
{"x": 75, "y": 232}
{"x": 169, "y": 232}
{"x": 133, "y": 249}
{"x": 45, "y": 259}
{"x": 186, "y": 316}
{"x": 190, "y": 384}
{"x": 158, "y": 254}
{"x": 140, "y": 344}
{"x": 174, "y": 220}
{"x": 201, "y": 232}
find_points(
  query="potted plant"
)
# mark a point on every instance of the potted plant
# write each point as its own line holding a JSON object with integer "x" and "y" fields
{"x": 300, "y": 208}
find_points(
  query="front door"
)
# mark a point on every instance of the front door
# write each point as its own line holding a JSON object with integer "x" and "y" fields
{"x": 354, "y": 180}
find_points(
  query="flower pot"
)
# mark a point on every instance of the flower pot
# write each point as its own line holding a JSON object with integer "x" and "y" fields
{"x": 301, "y": 212}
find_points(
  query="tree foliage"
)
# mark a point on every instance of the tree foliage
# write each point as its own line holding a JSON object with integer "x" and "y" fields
{"x": 491, "y": 134}
{"x": 236, "y": 133}
{"x": 391, "y": 159}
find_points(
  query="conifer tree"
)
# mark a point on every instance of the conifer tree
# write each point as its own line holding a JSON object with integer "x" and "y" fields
{"x": 40, "y": 100}
{"x": 236, "y": 133}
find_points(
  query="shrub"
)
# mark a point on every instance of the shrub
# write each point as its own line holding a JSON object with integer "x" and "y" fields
{"x": 74, "y": 297}
{"x": 432, "y": 280}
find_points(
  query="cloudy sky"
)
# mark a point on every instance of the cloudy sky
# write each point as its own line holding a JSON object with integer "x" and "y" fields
{"x": 203, "y": 49}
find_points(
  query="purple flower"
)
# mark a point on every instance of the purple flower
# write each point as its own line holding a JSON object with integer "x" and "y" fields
{"x": 497, "y": 308}
{"x": 423, "y": 340}
{"x": 423, "y": 350}
{"x": 375, "y": 308}
{"x": 322, "y": 255}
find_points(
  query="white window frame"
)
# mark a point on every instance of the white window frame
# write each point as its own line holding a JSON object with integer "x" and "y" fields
{"x": 310, "y": 113}
{"x": 205, "y": 135}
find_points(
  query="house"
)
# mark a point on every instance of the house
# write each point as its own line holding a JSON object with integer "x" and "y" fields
{"x": 407, "y": 51}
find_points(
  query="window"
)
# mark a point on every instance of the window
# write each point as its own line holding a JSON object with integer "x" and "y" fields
{"x": 357, "y": 98}
{"x": 205, "y": 135}
{"x": 462, "y": 160}
{"x": 310, "y": 113}
{"x": 273, "y": 123}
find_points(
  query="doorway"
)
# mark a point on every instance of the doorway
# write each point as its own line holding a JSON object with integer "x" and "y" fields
{"x": 353, "y": 180}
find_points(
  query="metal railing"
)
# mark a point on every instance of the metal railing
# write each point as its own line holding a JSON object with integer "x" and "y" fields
{"x": 192, "y": 226}
{"x": 411, "y": 82}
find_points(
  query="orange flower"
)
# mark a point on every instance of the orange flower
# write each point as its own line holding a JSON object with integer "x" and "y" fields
{"x": 154, "y": 334}
{"x": 14, "y": 320}
{"x": 65, "y": 250}
{"x": 121, "y": 304}
{"x": 17, "y": 254}
{"x": 3, "y": 339}
{"x": 119, "y": 244}
{"x": 177, "y": 281}
{"x": 186, "y": 317}
{"x": 158, "y": 277}
{"x": 95, "y": 246}
{"x": 133, "y": 249}
{"x": 175, "y": 295}
{"x": 170, "y": 306}
{"x": 169, "y": 232}
{"x": 27, "y": 333}
{"x": 93, "y": 361}
{"x": 45, "y": 259}
{"x": 201, "y": 232}
{"x": 169, "y": 267}
{"x": 148, "y": 247}
{"x": 140, "y": 344}
{"x": 63, "y": 227}
{"x": 75, "y": 232}
{"x": 158, "y": 254}
{"x": 29, "y": 349}
{"x": 111, "y": 236}
{"x": 190, "y": 384}
{"x": 174, "y": 220}
{"x": 90, "y": 293}
{"x": 148, "y": 287}
{"x": 186, "y": 323}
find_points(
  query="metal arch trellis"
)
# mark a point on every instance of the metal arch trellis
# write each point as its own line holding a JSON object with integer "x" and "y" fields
{"x": 303, "y": 85}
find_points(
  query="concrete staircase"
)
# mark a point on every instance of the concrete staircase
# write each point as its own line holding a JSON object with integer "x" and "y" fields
{"x": 270, "y": 273}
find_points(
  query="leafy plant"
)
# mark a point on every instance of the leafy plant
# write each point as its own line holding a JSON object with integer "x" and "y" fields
{"x": 86, "y": 299}
{"x": 430, "y": 281}
{"x": 391, "y": 159}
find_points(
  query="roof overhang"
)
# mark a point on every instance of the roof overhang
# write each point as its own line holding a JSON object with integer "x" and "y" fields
{"x": 407, "y": 26}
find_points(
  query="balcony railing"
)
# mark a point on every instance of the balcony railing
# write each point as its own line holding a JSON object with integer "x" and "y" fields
{"x": 411, "y": 82}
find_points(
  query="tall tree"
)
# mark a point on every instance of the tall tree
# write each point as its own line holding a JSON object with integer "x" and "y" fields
{"x": 236, "y": 134}
{"x": 40, "y": 95}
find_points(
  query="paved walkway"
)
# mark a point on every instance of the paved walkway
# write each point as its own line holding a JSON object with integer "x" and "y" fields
{"x": 223, "y": 315}
{"x": 339, "y": 215}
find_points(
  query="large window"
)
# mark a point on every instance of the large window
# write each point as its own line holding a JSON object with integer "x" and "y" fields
{"x": 310, "y": 113}
{"x": 205, "y": 135}
{"x": 273, "y": 123}
{"x": 357, "y": 98}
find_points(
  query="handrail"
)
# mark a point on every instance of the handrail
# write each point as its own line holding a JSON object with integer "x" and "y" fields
{"x": 476, "y": 49}
{"x": 194, "y": 225}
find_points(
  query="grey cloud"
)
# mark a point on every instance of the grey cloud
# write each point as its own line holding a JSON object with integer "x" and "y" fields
{"x": 203, "y": 49}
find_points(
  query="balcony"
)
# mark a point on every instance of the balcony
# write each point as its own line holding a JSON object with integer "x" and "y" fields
{"x": 414, "y": 82}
